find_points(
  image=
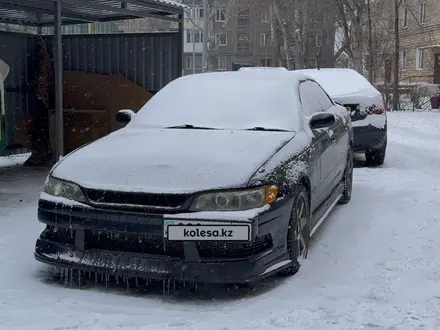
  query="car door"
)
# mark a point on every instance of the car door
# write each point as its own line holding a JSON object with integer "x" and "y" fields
{"x": 324, "y": 161}
{"x": 340, "y": 141}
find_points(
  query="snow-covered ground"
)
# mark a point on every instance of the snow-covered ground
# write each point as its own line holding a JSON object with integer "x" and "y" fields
{"x": 375, "y": 264}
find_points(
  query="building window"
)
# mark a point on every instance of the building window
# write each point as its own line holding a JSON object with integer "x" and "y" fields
{"x": 199, "y": 12}
{"x": 221, "y": 15}
{"x": 189, "y": 62}
{"x": 243, "y": 47}
{"x": 221, "y": 39}
{"x": 197, "y": 37}
{"x": 244, "y": 12}
{"x": 405, "y": 18}
{"x": 243, "y": 17}
{"x": 188, "y": 36}
{"x": 221, "y": 63}
{"x": 420, "y": 59}
{"x": 264, "y": 40}
{"x": 243, "y": 36}
{"x": 265, "y": 17}
{"x": 422, "y": 13}
{"x": 403, "y": 60}
{"x": 318, "y": 40}
{"x": 266, "y": 62}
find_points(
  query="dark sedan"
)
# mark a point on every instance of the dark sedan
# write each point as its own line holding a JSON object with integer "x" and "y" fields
{"x": 226, "y": 185}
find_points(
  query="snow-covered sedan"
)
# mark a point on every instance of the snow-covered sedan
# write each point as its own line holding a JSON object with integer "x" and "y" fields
{"x": 227, "y": 185}
{"x": 365, "y": 104}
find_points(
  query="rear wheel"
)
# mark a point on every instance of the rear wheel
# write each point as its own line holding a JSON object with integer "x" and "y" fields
{"x": 347, "y": 179}
{"x": 298, "y": 234}
{"x": 376, "y": 157}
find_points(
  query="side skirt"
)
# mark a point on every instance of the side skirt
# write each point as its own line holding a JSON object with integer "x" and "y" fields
{"x": 326, "y": 207}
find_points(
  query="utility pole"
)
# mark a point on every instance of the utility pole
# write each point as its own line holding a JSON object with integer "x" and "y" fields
{"x": 193, "y": 14}
{"x": 206, "y": 16}
{"x": 396, "y": 55}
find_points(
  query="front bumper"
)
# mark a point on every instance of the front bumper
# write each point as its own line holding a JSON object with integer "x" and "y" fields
{"x": 368, "y": 138}
{"x": 132, "y": 244}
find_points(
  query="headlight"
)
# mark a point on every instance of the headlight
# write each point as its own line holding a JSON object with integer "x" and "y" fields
{"x": 238, "y": 200}
{"x": 61, "y": 188}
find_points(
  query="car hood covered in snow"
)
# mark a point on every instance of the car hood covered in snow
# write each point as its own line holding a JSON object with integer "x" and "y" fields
{"x": 171, "y": 160}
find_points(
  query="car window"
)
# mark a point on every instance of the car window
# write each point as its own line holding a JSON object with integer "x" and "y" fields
{"x": 313, "y": 98}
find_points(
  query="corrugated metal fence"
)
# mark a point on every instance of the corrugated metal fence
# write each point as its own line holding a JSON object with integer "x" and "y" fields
{"x": 150, "y": 60}
{"x": 18, "y": 51}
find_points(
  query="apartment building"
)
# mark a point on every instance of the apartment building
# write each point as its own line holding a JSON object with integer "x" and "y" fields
{"x": 419, "y": 43}
{"x": 193, "y": 37}
{"x": 242, "y": 37}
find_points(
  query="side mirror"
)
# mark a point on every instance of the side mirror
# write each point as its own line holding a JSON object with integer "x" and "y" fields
{"x": 124, "y": 116}
{"x": 322, "y": 120}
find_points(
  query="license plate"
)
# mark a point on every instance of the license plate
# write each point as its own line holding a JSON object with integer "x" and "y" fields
{"x": 208, "y": 232}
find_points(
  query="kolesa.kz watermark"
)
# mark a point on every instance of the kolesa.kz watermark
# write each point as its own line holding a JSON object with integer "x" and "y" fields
{"x": 208, "y": 232}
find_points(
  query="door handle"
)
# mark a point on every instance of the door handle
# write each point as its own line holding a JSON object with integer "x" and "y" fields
{"x": 333, "y": 139}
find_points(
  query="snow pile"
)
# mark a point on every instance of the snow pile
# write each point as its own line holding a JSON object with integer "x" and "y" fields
{"x": 13, "y": 160}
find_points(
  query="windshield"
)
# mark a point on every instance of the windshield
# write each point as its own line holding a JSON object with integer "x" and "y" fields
{"x": 222, "y": 101}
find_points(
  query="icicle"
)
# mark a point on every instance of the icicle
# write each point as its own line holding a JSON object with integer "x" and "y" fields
{"x": 117, "y": 279}
{"x": 79, "y": 279}
{"x": 163, "y": 286}
{"x": 137, "y": 283}
{"x": 61, "y": 273}
{"x": 96, "y": 279}
{"x": 128, "y": 284}
{"x": 102, "y": 277}
{"x": 90, "y": 274}
{"x": 106, "y": 280}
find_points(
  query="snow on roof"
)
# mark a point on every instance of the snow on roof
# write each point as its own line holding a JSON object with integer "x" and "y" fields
{"x": 230, "y": 100}
{"x": 339, "y": 82}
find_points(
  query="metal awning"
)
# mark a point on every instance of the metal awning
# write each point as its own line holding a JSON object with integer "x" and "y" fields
{"x": 56, "y": 13}
{"x": 41, "y": 12}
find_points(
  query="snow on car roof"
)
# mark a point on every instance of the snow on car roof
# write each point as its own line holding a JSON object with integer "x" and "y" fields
{"x": 227, "y": 100}
{"x": 338, "y": 82}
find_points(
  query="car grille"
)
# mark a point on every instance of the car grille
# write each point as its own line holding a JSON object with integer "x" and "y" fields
{"x": 157, "y": 245}
{"x": 133, "y": 243}
{"x": 116, "y": 199}
{"x": 230, "y": 250}
{"x": 60, "y": 235}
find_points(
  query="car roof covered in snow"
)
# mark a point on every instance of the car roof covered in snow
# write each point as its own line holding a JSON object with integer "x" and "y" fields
{"x": 340, "y": 81}
{"x": 234, "y": 99}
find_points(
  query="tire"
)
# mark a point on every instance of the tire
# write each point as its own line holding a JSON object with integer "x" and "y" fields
{"x": 376, "y": 157}
{"x": 347, "y": 179}
{"x": 297, "y": 246}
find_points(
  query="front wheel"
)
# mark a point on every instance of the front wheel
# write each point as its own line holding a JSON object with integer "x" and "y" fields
{"x": 298, "y": 233}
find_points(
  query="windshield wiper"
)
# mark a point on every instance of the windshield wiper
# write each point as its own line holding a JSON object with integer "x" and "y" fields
{"x": 259, "y": 128}
{"x": 184, "y": 126}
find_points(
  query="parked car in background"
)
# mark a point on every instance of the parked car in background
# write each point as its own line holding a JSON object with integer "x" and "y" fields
{"x": 365, "y": 104}
{"x": 228, "y": 186}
